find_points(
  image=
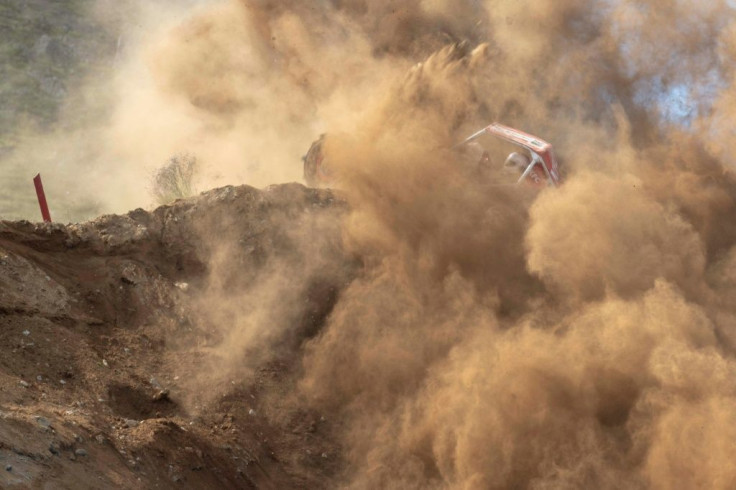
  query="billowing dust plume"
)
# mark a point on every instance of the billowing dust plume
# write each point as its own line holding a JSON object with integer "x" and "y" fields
{"x": 494, "y": 338}
{"x": 581, "y": 337}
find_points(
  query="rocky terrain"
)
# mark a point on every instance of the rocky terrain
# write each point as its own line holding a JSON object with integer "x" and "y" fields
{"x": 420, "y": 327}
{"x": 104, "y": 344}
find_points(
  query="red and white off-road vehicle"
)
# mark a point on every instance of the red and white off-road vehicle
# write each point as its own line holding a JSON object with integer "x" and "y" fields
{"x": 535, "y": 164}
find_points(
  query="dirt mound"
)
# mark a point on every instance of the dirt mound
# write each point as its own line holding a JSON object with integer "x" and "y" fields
{"x": 104, "y": 344}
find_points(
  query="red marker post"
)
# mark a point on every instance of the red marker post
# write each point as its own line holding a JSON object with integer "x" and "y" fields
{"x": 42, "y": 198}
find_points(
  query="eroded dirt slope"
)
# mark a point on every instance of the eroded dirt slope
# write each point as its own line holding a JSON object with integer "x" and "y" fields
{"x": 104, "y": 379}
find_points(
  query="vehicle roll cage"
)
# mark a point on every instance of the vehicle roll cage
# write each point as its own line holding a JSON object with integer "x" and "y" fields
{"x": 540, "y": 151}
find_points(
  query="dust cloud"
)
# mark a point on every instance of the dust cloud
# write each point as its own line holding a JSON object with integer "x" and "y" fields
{"x": 581, "y": 337}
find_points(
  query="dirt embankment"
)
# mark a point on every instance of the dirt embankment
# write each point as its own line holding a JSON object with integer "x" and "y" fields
{"x": 107, "y": 378}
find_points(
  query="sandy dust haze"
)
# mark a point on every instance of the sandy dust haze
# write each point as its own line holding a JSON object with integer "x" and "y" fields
{"x": 491, "y": 337}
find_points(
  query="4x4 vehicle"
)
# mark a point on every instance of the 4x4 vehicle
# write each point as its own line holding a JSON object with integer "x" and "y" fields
{"x": 535, "y": 163}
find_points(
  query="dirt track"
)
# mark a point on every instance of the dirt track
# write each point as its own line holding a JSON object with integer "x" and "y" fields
{"x": 101, "y": 342}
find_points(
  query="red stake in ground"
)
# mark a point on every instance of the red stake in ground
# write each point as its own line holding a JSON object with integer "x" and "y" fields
{"x": 42, "y": 198}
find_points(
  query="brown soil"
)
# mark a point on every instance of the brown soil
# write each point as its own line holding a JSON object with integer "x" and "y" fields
{"x": 98, "y": 342}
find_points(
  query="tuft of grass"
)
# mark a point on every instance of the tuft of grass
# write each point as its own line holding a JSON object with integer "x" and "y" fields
{"x": 175, "y": 179}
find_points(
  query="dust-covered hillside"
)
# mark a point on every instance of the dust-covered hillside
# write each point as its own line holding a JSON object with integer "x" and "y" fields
{"x": 117, "y": 346}
{"x": 418, "y": 326}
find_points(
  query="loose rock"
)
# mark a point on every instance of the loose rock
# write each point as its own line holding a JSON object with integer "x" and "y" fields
{"x": 162, "y": 395}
